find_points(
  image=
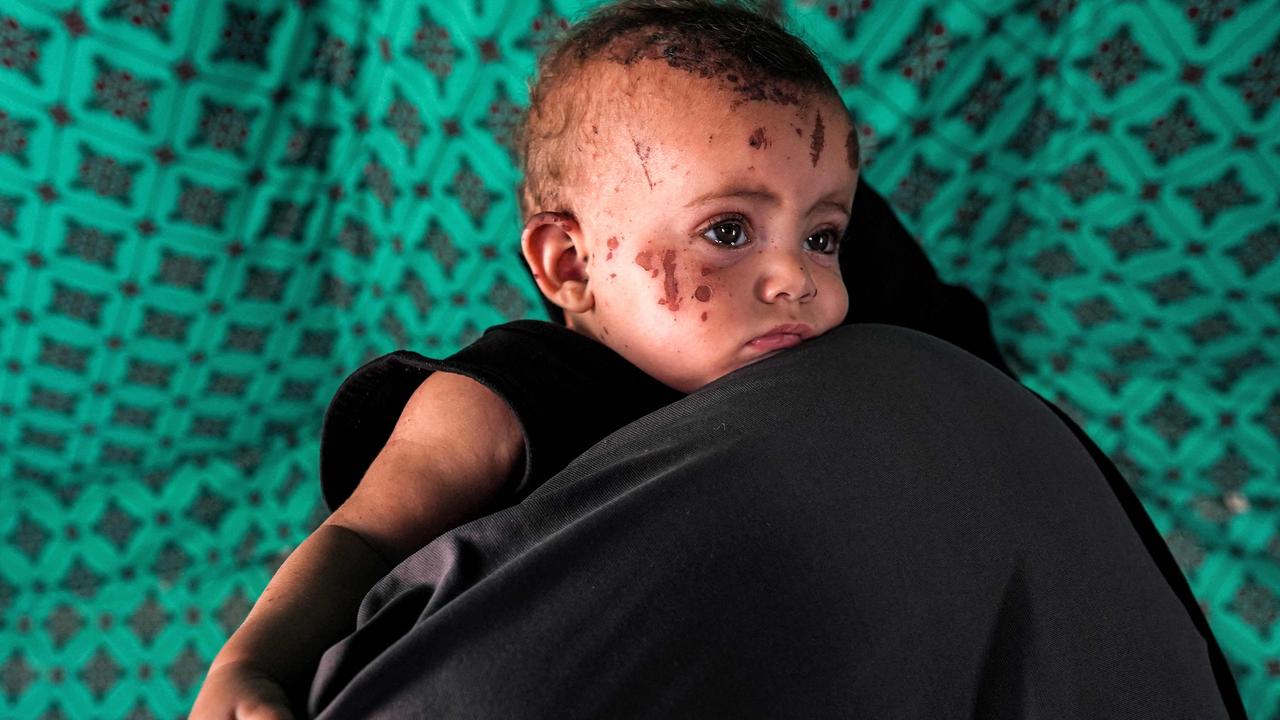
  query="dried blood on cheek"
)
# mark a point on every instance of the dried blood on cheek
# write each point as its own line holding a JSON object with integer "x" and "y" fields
{"x": 670, "y": 284}
{"x": 645, "y": 260}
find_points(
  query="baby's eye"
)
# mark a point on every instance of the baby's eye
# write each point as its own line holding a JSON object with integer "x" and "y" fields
{"x": 828, "y": 238}
{"x": 725, "y": 233}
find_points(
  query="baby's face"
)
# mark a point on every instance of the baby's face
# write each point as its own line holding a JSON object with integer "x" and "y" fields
{"x": 711, "y": 222}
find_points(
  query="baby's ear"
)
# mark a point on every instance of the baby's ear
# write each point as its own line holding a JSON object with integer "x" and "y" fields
{"x": 551, "y": 244}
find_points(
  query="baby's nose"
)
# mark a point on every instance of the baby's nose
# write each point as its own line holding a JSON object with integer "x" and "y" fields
{"x": 786, "y": 276}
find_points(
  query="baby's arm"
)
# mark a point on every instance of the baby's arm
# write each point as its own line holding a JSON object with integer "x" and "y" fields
{"x": 454, "y": 446}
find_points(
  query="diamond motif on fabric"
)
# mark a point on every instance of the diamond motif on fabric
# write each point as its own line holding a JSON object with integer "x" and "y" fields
{"x": 15, "y": 137}
{"x": 151, "y": 15}
{"x": 1257, "y": 251}
{"x": 106, "y": 176}
{"x": 1133, "y": 238}
{"x": 433, "y": 47}
{"x": 122, "y": 94}
{"x": 90, "y": 244}
{"x": 20, "y": 47}
{"x": 223, "y": 127}
{"x": 201, "y": 204}
{"x": 1259, "y": 81}
{"x": 1084, "y": 179}
{"x": 1118, "y": 62}
{"x": 1171, "y": 420}
{"x": 984, "y": 98}
{"x": 918, "y": 186}
{"x": 309, "y": 145}
{"x": 1213, "y": 198}
{"x": 1172, "y": 134}
{"x": 470, "y": 191}
{"x": 405, "y": 120}
{"x": 334, "y": 61}
{"x": 246, "y": 35}
{"x": 924, "y": 55}
{"x": 1040, "y": 124}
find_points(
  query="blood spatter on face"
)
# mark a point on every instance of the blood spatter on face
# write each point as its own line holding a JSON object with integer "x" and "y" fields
{"x": 852, "y": 150}
{"x": 817, "y": 140}
{"x": 706, "y": 271}
{"x": 645, "y": 260}
{"x": 757, "y": 140}
{"x": 669, "y": 282}
{"x": 704, "y": 317}
{"x": 799, "y": 132}
{"x": 703, "y": 293}
{"x": 613, "y": 245}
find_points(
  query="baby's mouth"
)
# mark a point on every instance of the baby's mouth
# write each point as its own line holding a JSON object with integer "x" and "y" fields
{"x": 775, "y": 341}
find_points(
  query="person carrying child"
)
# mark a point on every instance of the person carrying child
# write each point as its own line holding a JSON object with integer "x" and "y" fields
{"x": 709, "y": 492}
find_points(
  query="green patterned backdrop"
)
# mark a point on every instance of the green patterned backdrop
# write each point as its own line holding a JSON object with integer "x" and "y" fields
{"x": 212, "y": 211}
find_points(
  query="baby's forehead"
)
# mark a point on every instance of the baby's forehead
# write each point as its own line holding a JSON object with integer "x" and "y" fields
{"x": 656, "y": 98}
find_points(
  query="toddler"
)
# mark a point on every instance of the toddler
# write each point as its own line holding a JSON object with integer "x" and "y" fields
{"x": 689, "y": 174}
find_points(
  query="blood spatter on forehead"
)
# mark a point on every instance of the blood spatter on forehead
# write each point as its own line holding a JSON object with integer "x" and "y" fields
{"x": 704, "y": 316}
{"x": 703, "y": 293}
{"x": 851, "y": 150}
{"x": 613, "y": 245}
{"x": 817, "y": 140}
{"x": 758, "y": 140}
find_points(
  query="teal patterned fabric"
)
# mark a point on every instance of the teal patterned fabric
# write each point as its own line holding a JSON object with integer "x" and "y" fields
{"x": 212, "y": 212}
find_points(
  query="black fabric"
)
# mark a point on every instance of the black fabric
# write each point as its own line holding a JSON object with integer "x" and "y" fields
{"x": 872, "y": 524}
{"x": 891, "y": 281}
{"x": 567, "y": 391}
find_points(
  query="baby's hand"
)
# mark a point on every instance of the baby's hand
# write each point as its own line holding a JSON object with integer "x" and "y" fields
{"x": 239, "y": 691}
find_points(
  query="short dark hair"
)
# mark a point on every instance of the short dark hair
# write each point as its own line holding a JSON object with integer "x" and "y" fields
{"x": 729, "y": 40}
